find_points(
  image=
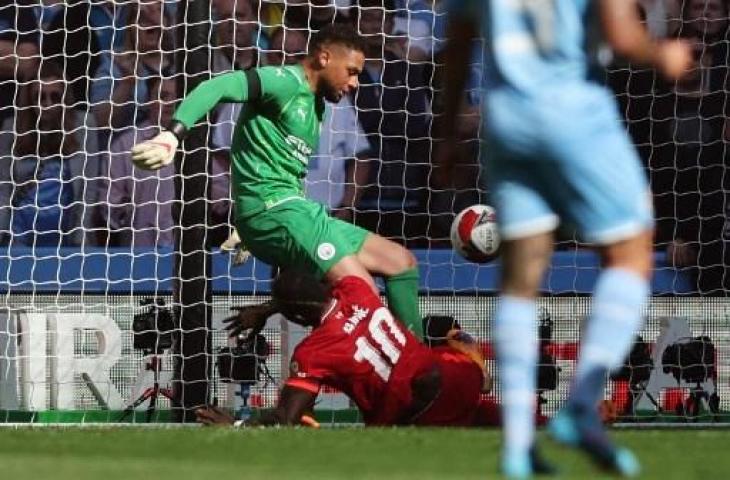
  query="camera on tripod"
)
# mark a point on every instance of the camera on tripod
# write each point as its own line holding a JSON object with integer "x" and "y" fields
{"x": 691, "y": 360}
{"x": 547, "y": 370}
{"x": 637, "y": 367}
{"x": 636, "y": 371}
{"x": 153, "y": 328}
{"x": 244, "y": 363}
{"x": 436, "y": 328}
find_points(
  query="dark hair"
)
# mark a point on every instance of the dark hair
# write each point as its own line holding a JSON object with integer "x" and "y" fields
{"x": 26, "y": 126}
{"x": 296, "y": 288}
{"x": 337, "y": 33}
{"x": 436, "y": 327}
{"x": 684, "y": 30}
{"x": 357, "y": 8}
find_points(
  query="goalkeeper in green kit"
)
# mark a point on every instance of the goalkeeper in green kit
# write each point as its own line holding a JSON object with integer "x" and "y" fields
{"x": 273, "y": 139}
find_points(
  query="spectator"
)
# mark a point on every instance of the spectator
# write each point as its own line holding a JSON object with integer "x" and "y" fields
{"x": 705, "y": 20}
{"x": 688, "y": 161}
{"x": 140, "y": 201}
{"x": 422, "y": 21}
{"x": 673, "y": 12}
{"x": 309, "y": 14}
{"x": 42, "y": 191}
{"x": 468, "y": 183}
{"x": 68, "y": 40}
{"x": 19, "y": 52}
{"x": 237, "y": 33}
{"x": 663, "y": 17}
{"x": 237, "y": 29}
{"x": 287, "y": 47}
{"x": 108, "y": 23}
{"x": 338, "y": 172}
{"x": 236, "y": 38}
{"x": 120, "y": 83}
{"x": 393, "y": 103}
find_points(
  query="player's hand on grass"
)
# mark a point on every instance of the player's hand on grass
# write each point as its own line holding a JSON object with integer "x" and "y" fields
{"x": 155, "y": 153}
{"x": 213, "y": 416}
{"x": 674, "y": 58}
{"x": 252, "y": 317}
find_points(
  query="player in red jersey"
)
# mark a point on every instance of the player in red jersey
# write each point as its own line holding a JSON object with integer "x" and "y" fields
{"x": 359, "y": 348}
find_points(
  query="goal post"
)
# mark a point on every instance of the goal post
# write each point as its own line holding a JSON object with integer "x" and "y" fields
{"x": 192, "y": 345}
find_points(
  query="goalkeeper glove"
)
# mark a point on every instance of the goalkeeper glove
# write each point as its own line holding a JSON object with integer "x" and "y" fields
{"x": 155, "y": 153}
{"x": 234, "y": 244}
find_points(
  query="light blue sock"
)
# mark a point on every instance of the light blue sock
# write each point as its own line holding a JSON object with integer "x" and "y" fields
{"x": 515, "y": 339}
{"x": 617, "y": 313}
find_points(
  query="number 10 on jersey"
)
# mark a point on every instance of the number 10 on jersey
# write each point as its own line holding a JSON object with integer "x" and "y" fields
{"x": 379, "y": 350}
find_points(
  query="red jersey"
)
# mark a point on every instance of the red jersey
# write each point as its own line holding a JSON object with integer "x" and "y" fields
{"x": 460, "y": 396}
{"x": 361, "y": 350}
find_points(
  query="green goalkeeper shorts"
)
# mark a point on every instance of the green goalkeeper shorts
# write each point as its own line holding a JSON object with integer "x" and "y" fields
{"x": 300, "y": 234}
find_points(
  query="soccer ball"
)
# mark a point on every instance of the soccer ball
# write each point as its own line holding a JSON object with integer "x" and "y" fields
{"x": 474, "y": 233}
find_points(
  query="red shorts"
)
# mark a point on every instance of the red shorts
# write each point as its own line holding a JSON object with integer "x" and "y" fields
{"x": 459, "y": 398}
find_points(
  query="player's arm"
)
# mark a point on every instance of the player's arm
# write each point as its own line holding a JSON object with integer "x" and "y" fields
{"x": 238, "y": 86}
{"x": 294, "y": 404}
{"x": 291, "y": 409}
{"x": 629, "y": 38}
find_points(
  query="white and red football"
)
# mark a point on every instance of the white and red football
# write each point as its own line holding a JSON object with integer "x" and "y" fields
{"x": 474, "y": 233}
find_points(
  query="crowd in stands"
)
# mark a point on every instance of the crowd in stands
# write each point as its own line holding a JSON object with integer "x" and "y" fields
{"x": 682, "y": 132}
{"x": 84, "y": 81}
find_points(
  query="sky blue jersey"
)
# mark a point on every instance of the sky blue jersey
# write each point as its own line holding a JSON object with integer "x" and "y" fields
{"x": 533, "y": 45}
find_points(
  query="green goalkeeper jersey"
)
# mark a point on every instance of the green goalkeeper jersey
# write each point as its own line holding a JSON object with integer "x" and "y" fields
{"x": 274, "y": 137}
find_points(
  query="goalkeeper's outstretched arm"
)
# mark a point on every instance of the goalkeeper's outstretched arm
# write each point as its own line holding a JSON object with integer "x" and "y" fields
{"x": 238, "y": 86}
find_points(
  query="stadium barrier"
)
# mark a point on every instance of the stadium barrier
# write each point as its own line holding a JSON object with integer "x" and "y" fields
{"x": 68, "y": 345}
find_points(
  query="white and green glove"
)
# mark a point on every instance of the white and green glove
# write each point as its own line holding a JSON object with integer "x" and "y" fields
{"x": 156, "y": 152}
{"x": 234, "y": 245}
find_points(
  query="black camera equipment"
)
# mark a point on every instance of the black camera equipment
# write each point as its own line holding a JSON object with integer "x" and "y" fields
{"x": 547, "y": 369}
{"x": 693, "y": 360}
{"x": 638, "y": 364}
{"x": 152, "y": 330}
{"x": 246, "y": 362}
{"x": 436, "y": 327}
{"x": 636, "y": 370}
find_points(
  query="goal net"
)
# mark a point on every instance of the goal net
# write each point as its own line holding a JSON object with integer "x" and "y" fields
{"x": 88, "y": 244}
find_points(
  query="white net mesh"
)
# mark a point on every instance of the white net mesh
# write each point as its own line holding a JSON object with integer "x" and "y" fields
{"x": 84, "y": 236}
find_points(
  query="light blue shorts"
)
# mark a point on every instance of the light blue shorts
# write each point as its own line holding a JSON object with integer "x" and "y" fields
{"x": 576, "y": 165}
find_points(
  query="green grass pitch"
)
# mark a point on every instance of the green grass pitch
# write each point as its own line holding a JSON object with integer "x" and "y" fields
{"x": 347, "y": 453}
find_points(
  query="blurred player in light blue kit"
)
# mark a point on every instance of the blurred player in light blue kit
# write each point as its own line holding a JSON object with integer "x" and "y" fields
{"x": 556, "y": 151}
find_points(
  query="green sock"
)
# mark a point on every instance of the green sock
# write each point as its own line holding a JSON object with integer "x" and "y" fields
{"x": 402, "y": 293}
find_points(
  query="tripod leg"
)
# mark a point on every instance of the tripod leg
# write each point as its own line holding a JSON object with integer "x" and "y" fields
{"x": 153, "y": 402}
{"x": 653, "y": 401}
{"x": 156, "y": 363}
{"x": 142, "y": 398}
{"x": 167, "y": 393}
